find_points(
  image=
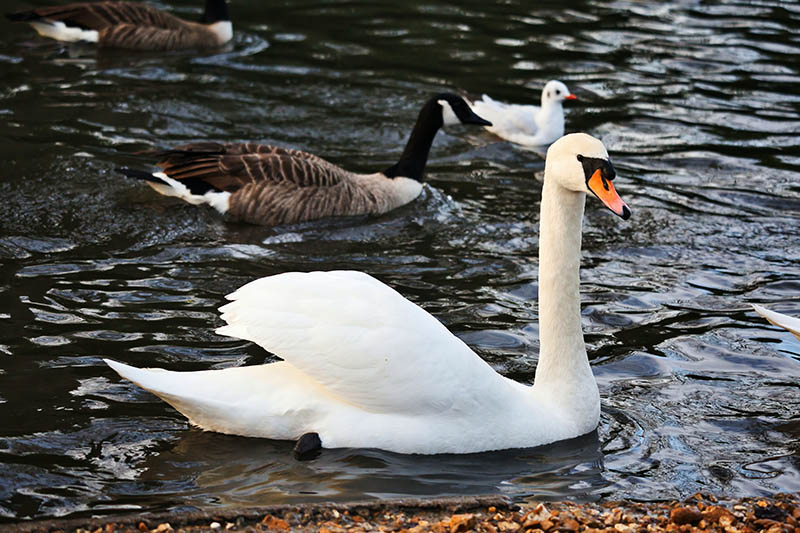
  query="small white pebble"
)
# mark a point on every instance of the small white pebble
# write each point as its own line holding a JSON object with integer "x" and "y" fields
{"x": 230, "y": 525}
{"x": 215, "y": 525}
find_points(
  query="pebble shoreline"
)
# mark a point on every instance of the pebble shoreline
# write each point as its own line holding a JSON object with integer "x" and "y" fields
{"x": 700, "y": 513}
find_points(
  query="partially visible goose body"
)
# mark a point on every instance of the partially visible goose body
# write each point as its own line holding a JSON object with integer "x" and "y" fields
{"x": 130, "y": 25}
{"x": 528, "y": 125}
{"x": 364, "y": 367}
{"x": 778, "y": 319}
{"x": 269, "y": 185}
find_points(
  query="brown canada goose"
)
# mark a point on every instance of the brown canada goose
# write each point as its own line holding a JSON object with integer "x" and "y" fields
{"x": 130, "y": 25}
{"x": 268, "y": 185}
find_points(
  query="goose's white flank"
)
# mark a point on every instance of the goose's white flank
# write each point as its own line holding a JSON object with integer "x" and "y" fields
{"x": 364, "y": 367}
{"x": 778, "y": 319}
{"x": 528, "y": 125}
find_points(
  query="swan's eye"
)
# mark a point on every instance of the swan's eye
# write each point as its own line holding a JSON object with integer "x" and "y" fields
{"x": 580, "y": 158}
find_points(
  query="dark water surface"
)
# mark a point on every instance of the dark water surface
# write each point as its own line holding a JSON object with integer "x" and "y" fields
{"x": 697, "y": 102}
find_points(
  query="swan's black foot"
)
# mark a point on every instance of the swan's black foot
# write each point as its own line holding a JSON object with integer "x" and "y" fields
{"x": 307, "y": 447}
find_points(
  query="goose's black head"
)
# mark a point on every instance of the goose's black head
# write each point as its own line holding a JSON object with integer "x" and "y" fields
{"x": 441, "y": 110}
{"x": 455, "y": 110}
{"x": 216, "y": 11}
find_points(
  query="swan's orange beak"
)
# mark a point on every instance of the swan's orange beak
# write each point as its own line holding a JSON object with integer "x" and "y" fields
{"x": 604, "y": 189}
{"x": 570, "y": 97}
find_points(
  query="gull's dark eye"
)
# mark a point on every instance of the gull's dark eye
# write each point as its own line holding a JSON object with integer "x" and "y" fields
{"x": 558, "y": 91}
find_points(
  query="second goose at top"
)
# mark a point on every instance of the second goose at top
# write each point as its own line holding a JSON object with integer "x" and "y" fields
{"x": 131, "y": 25}
{"x": 269, "y": 185}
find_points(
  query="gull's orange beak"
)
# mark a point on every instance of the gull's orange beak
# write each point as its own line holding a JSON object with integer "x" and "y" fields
{"x": 604, "y": 189}
{"x": 570, "y": 97}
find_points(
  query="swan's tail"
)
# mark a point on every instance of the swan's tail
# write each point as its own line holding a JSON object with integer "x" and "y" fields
{"x": 251, "y": 401}
{"x": 188, "y": 392}
{"x": 156, "y": 380}
{"x": 195, "y": 192}
{"x": 778, "y": 319}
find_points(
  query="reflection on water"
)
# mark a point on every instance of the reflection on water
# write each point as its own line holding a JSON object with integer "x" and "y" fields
{"x": 233, "y": 470}
{"x": 696, "y": 102}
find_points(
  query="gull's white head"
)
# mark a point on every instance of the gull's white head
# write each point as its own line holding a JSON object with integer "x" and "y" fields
{"x": 580, "y": 163}
{"x": 555, "y": 92}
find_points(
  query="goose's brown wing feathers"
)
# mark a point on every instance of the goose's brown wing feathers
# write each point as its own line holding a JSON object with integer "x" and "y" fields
{"x": 283, "y": 202}
{"x": 269, "y": 185}
{"x": 229, "y": 167}
{"x": 136, "y": 37}
{"x": 101, "y": 15}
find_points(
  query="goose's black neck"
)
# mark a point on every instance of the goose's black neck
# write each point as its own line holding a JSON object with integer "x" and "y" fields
{"x": 216, "y": 11}
{"x": 415, "y": 155}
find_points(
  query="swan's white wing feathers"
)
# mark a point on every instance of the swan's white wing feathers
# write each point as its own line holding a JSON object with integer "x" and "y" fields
{"x": 362, "y": 342}
{"x": 507, "y": 119}
{"x": 778, "y": 319}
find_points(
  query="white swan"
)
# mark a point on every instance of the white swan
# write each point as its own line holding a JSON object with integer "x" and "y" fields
{"x": 778, "y": 319}
{"x": 364, "y": 367}
{"x": 527, "y": 125}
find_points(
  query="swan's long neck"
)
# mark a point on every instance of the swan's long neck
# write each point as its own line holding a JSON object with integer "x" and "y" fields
{"x": 563, "y": 364}
{"x": 415, "y": 155}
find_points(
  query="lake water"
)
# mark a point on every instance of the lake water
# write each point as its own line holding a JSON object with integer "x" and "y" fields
{"x": 696, "y": 101}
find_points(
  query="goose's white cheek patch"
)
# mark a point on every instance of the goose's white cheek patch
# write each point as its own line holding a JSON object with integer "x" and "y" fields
{"x": 448, "y": 115}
